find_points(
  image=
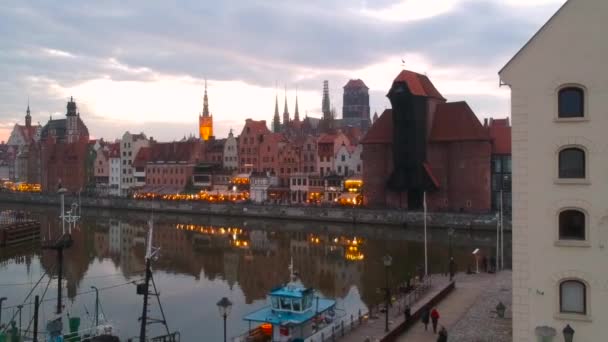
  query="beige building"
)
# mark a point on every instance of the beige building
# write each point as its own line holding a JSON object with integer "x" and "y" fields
{"x": 129, "y": 147}
{"x": 559, "y": 96}
{"x": 231, "y": 153}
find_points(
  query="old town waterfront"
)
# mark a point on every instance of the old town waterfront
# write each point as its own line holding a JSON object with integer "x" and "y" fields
{"x": 204, "y": 258}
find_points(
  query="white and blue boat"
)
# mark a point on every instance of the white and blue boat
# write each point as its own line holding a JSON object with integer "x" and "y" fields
{"x": 295, "y": 313}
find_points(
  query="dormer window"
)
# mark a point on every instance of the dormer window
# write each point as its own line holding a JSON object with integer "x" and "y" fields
{"x": 571, "y": 103}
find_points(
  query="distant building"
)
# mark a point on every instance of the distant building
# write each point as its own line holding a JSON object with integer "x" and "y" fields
{"x": 559, "y": 96}
{"x": 170, "y": 166}
{"x": 64, "y": 147}
{"x": 24, "y": 139}
{"x": 130, "y": 144}
{"x": 101, "y": 168}
{"x": 231, "y": 153}
{"x": 348, "y": 160}
{"x": 500, "y": 132}
{"x": 250, "y": 139}
{"x": 355, "y": 105}
{"x": 214, "y": 151}
{"x": 205, "y": 120}
{"x": 260, "y": 182}
{"x": 425, "y": 144}
{"x": 327, "y": 147}
{"x": 115, "y": 175}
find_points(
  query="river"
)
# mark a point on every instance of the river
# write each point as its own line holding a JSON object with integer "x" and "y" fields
{"x": 203, "y": 259}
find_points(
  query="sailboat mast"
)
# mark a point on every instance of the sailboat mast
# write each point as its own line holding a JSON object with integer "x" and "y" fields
{"x": 144, "y": 312}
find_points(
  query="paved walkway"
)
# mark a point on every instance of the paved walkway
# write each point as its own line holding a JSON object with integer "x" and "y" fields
{"x": 466, "y": 311}
{"x": 373, "y": 328}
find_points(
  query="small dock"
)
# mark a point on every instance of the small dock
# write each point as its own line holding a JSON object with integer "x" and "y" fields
{"x": 16, "y": 229}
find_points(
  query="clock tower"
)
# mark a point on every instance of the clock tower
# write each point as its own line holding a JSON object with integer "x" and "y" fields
{"x": 205, "y": 121}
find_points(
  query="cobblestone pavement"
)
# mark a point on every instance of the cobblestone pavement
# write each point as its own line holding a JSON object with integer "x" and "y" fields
{"x": 480, "y": 323}
{"x": 467, "y": 311}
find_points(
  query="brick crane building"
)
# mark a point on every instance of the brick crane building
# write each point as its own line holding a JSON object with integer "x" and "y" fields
{"x": 426, "y": 144}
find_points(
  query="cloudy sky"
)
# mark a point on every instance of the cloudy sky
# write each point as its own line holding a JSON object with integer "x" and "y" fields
{"x": 140, "y": 65}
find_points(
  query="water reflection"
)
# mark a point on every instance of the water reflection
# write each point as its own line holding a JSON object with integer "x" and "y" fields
{"x": 206, "y": 258}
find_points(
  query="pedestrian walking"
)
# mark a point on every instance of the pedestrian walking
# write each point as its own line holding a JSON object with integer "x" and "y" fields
{"x": 425, "y": 319}
{"x": 435, "y": 319}
{"x": 443, "y": 335}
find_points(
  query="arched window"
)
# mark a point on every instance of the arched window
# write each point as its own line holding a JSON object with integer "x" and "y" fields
{"x": 572, "y": 163}
{"x": 573, "y": 297}
{"x": 571, "y": 225}
{"x": 571, "y": 102}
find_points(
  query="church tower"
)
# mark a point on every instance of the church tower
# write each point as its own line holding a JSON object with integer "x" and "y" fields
{"x": 276, "y": 120}
{"x": 296, "y": 115}
{"x": 205, "y": 121}
{"x": 72, "y": 117}
{"x": 28, "y": 117}
{"x": 285, "y": 113}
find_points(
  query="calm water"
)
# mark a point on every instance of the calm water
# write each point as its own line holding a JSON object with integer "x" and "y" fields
{"x": 206, "y": 258}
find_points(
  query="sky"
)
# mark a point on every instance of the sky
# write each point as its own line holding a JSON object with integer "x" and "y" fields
{"x": 141, "y": 65}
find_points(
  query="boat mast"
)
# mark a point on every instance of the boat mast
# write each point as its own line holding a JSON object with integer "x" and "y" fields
{"x": 143, "y": 290}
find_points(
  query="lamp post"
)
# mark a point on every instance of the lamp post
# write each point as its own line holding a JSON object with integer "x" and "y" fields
{"x": 224, "y": 305}
{"x": 476, "y": 254}
{"x": 451, "y": 264}
{"x": 568, "y": 333}
{"x": 387, "y": 260}
{"x": 96, "y": 305}
{"x": 1, "y": 300}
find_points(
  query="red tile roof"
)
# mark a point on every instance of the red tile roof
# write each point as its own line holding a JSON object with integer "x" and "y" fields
{"x": 182, "y": 151}
{"x": 381, "y": 131}
{"x": 418, "y": 84}
{"x": 256, "y": 127}
{"x": 355, "y": 84}
{"x": 455, "y": 121}
{"x": 500, "y": 132}
{"x": 114, "y": 150}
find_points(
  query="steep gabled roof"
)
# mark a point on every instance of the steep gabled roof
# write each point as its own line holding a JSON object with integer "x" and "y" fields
{"x": 173, "y": 151}
{"x": 418, "y": 84}
{"x": 142, "y": 157}
{"x": 529, "y": 42}
{"x": 455, "y": 121}
{"x": 381, "y": 131}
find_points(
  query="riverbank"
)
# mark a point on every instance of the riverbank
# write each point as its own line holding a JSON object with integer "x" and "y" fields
{"x": 247, "y": 210}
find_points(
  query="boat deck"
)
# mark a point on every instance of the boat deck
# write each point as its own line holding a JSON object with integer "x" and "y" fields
{"x": 268, "y": 315}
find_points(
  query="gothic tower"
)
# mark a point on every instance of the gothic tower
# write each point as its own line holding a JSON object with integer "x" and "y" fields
{"x": 28, "y": 117}
{"x": 325, "y": 107}
{"x": 276, "y": 120}
{"x": 296, "y": 115}
{"x": 205, "y": 121}
{"x": 72, "y": 121}
{"x": 285, "y": 112}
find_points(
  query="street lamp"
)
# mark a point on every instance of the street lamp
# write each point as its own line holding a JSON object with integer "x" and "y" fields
{"x": 387, "y": 260}
{"x": 224, "y": 305}
{"x": 451, "y": 264}
{"x": 568, "y": 333}
{"x": 476, "y": 254}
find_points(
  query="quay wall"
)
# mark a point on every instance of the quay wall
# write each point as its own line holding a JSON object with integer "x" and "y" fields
{"x": 393, "y": 217}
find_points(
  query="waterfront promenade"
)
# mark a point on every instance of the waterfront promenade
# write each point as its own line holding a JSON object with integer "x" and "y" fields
{"x": 394, "y": 217}
{"x": 467, "y": 312}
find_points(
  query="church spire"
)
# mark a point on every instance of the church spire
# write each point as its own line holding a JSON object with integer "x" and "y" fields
{"x": 205, "y": 102}
{"x": 28, "y": 117}
{"x": 276, "y": 120}
{"x": 325, "y": 106}
{"x": 296, "y": 115}
{"x": 285, "y": 111}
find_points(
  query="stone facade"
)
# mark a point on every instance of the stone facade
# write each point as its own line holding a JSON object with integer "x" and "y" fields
{"x": 544, "y": 255}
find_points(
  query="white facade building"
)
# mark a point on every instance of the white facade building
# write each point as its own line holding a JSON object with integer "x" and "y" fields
{"x": 115, "y": 175}
{"x": 559, "y": 96}
{"x": 348, "y": 160}
{"x": 231, "y": 153}
{"x": 129, "y": 147}
{"x": 259, "y": 182}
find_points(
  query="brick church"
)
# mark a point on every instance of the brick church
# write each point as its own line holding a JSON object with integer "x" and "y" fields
{"x": 425, "y": 144}
{"x": 64, "y": 152}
